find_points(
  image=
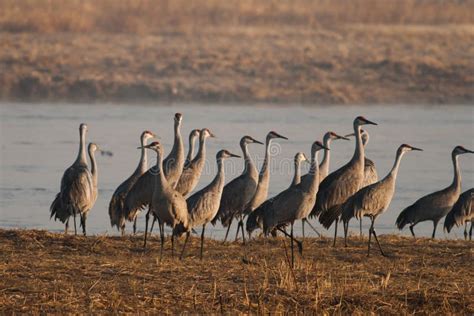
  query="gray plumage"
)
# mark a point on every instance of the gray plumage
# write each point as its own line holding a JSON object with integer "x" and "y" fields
{"x": 204, "y": 204}
{"x": 255, "y": 219}
{"x": 374, "y": 199}
{"x": 238, "y": 192}
{"x": 167, "y": 204}
{"x": 116, "y": 205}
{"x": 461, "y": 213}
{"x": 140, "y": 195}
{"x": 342, "y": 183}
{"x": 193, "y": 169}
{"x": 76, "y": 194}
{"x": 436, "y": 205}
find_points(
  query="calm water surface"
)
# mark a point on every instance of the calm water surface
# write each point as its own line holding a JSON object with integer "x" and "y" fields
{"x": 38, "y": 142}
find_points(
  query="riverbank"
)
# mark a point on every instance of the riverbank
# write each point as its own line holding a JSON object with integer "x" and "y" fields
{"x": 45, "y": 272}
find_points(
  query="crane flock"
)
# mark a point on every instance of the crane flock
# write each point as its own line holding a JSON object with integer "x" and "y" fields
{"x": 353, "y": 190}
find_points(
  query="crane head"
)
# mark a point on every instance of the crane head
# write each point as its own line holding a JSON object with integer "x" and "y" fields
{"x": 194, "y": 133}
{"x": 222, "y": 154}
{"x": 333, "y": 136}
{"x": 156, "y": 146}
{"x": 317, "y": 145}
{"x": 147, "y": 135}
{"x": 459, "y": 150}
{"x": 274, "y": 134}
{"x": 360, "y": 120}
{"x": 249, "y": 140}
{"x": 93, "y": 147}
{"x": 205, "y": 132}
{"x": 83, "y": 127}
{"x": 178, "y": 117}
{"x": 406, "y": 147}
{"x": 299, "y": 157}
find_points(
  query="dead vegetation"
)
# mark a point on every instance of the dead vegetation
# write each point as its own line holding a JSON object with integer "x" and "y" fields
{"x": 51, "y": 273}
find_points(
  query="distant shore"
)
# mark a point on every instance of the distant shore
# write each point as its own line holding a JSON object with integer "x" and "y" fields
{"x": 353, "y": 64}
{"x": 46, "y": 272}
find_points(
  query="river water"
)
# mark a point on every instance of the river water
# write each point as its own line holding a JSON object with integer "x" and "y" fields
{"x": 39, "y": 141}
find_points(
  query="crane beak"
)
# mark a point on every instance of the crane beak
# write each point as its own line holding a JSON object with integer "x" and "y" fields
{"x": 415, "y": 148}
{"x": 349, "y": 135}
{"x": 342, "y": 137}
{"x": 212, "y": 135}
{"x": 281, "y": 136}
{"x": 369, "y": 122}
{"x": 234, "y": 155}
{"x": 258, "y": 142}
{"x": 469, "y": 151}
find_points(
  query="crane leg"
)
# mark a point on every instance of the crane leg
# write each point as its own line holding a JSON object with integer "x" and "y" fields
{"x": 122, "y": 230}
{"x": 465, "y": 231}
{"x": 335, "y": 232}
{"x": 227, "y": 232}
{"x": 292, "y": 246}
{"x": 435, "y": 223}
{"x": 346, "y": 228}
{"x": 412, "y": 232}
{"x": 75, "y": 227}
{"x": 302, "y": 226}
{"x": 360, "y": 227}
{"x": 66, "y": 226}
{"x": 147, "y": 219}
{"x": 135, "y": 226}
{"x": 376, "y": 239}
{"x": 184, "y": 246}
{"x": 241, "y": 223}
{"x": 470, "y": 231}
{"x": 162, "y": 239}
{"x": 312, "y": 227}
{"x": 202, "y": 239}
{"x": 298, "y": 243}
{"x": 172, "y": 245}
{"x": 370, "y": 238}
{"x": 238, "y": 229}
{"x": 83, "y": 217}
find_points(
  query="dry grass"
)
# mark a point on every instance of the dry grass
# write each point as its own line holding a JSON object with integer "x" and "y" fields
{"x": 154, "y": 16}
{"x": 52, "y": 273}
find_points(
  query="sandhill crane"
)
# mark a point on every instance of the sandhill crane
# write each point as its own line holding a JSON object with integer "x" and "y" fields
{"x": 372, "y": 200}
{"x": 342, "y": 183}
{"x": 192, "y": 172}
{"x": 92, "y": 148}
{"x": 167, "y": 204}
{"x": 462, "y": 213}
{"x": 204, "y": 204}
{"x": 76, "y": 191}
{"x": 296, "y": 202}
{"x": 238, "y": 192}
{"x": 140, "y": 195}
{"x": 116, "y": 205}
{"x": 434, "y": 206}
{"x": 323, "y": 167}
{"x": 255, "y": 219}
{"x": 370, "y": 177}
{"x": 261, "y": 193}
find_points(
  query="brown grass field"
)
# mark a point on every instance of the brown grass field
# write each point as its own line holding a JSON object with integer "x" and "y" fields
{"x": 301, "y": 51}
{"x": 44, "y": 272}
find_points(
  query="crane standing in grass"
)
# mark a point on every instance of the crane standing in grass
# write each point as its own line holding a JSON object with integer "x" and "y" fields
{"x": 167, "y": 204}
{"x": 204, "y": 204}
{"x": 140, "y": 195}
{"x": 295, "y": 202}
{"x": 116, "y": 205}
{"x": 342, "y": 183}
{"x": 462, "y": 213}
{"x": 76, "y": 194}
{"x": 240, "y": 191}
{"x": 371, "y": 201}
{"x": 434, "y": 206}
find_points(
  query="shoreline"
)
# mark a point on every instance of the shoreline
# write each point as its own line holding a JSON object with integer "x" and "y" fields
{"x": 50, "y": 272}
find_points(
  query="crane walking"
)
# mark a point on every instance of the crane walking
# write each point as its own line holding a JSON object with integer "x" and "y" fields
{"x": 204, "y": 204}
{"x": 342, "y": 183}
{"x": 371, "y": 201}
{"x": 238, "y": 192}
{"x": 116, "y": 205}
{"x": 434, "y": 206}
{"x": 462, "y": 213}
{"x": 76, "y": 193}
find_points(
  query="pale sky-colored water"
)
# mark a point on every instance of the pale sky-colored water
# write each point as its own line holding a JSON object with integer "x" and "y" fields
{"x": 39, "y": 141}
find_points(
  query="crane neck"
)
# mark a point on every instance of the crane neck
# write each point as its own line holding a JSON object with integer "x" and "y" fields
{"x": 81, "y": 155}
{"x": 219, "y": 179}
{"x": 266, "y": 160}
{"x": 392, "y": 175}
{"x": 310, "y": 184}
{"x": 192, "y": 141}
{"x": 94, "y": 171}
{"x": 359, "y": 155}
{"x": 297, "y": 174}
{"x": 143, "y": 163}
{"x": 202, "y": 148}
{"x": 457, "y": 173}
{"x": 248, "y": 161}
{"x": 324, "y": 166}
{"x": 178, "y": 140}
{"x": 161, "y": 184}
